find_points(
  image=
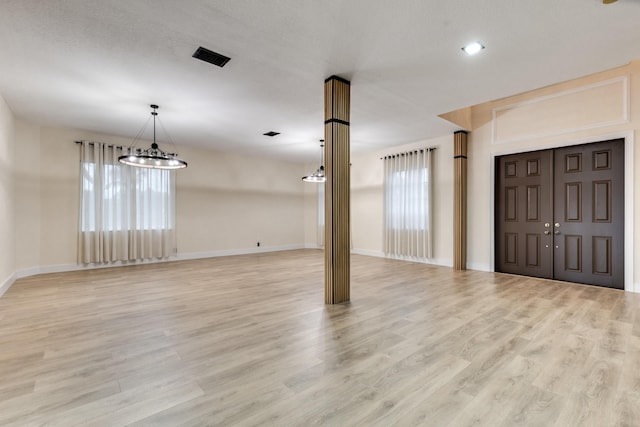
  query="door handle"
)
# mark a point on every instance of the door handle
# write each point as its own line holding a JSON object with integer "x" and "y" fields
{"x": 557, "y": 224}
{"x": 556, "y": 232}
{"x": 547, "y": 232}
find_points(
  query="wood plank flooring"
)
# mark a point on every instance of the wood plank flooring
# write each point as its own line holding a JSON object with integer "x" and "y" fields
{"x": 248, "y": 341}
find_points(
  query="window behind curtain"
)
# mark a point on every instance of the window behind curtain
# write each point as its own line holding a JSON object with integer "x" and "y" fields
{"x": 320, "y": 236}
{"x": 407, "y": 204}
{"x": 126, "y": 213}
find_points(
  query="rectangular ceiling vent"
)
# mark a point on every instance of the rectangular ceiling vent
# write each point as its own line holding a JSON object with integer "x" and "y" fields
{"x": 211, "y": 57}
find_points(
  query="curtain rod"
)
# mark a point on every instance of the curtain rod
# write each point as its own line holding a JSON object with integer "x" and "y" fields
{"x": 106, "y": 145}
{"x": 390, "y": 156}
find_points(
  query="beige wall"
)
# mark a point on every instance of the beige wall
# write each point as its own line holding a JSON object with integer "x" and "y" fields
{"x": 367, "y": 201}
{"x": 27, "y": 203}
{"x": 225, "y": 202}
{"x": 7, "y": 222}
{"x": 367, "y": 172}
{"x": 594, "y": 108}
{"x": 310, "y": 208}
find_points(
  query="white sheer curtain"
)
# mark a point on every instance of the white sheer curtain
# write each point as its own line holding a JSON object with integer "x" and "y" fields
{"x": 407, "y": 204}
{"x": 126, "y": 213}
{"x": 320, "y": 237}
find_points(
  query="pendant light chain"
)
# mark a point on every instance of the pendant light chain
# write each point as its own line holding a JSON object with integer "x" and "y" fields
{"x": 152, "y": 157}
{"x": 317, "y": 176}
{"x": 155, "y": 114}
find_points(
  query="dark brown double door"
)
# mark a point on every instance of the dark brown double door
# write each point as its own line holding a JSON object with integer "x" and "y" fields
{"x": 560, "y": 214}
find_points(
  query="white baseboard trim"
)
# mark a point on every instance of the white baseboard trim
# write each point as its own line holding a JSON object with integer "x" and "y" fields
{"x": 63, "y": 268}
{"x": 479, "y": 267}
{"x": 367, "y": 252}
{"x": 230, "y": 252}
{"x": 443, "y": 262}
{"x": 4, "y": 287}
{"x": 380, "y": 254}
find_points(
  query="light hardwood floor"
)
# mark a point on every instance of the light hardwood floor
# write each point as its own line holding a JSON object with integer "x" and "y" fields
{"x": 247, "y": 340}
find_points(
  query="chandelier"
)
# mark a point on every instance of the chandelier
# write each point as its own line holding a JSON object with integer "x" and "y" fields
{"x": 317, "y": 176}
{"x": 153, "y": 157}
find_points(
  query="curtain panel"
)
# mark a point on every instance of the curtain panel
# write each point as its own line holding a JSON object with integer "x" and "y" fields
{"x": 408, "y": 205}
{"x": 320, "y": 227}
{"x": 126, "y": 213}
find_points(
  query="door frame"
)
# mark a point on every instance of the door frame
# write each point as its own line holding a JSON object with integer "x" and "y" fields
{"x": 629, "y": 172}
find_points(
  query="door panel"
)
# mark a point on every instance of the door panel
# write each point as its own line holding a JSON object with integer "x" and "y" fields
{"x": 578, "y": 192}
{"x": 572, "y": 253}
{"x": 523, "y": 197}
{"x": 573, "y": 202}
{"x": 533, "y": 255}
{"x": 589, "y": 212}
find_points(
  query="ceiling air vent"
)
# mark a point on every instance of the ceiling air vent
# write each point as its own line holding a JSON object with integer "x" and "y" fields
{"x": 211, "y": 57}
{"x": 271, "y": 133}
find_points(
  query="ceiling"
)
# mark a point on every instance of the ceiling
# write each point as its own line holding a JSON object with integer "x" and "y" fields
{"x": 98, "y": 64}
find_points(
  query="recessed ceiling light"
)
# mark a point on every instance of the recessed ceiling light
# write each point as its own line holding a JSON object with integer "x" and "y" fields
{"x": 473, "y": 48}
{"x": 271, "y": 133}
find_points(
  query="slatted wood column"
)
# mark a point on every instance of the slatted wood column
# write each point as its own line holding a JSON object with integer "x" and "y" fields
{"x": 337, "y": 188}
{"x": 460, "y": 200}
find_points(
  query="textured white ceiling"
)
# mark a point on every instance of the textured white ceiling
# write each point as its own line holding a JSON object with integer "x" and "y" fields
{"x": 98, "y": 64}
